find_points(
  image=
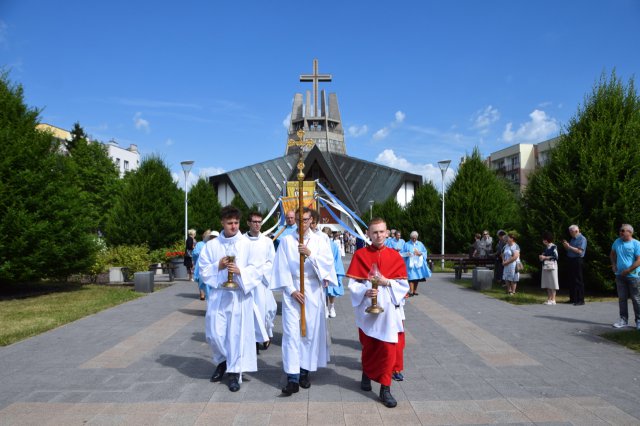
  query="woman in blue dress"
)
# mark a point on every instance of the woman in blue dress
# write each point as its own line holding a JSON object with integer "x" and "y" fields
{"x": 415, "y": 257}
{"x": 510, "y": 259}
{"x": 338, "y": 290}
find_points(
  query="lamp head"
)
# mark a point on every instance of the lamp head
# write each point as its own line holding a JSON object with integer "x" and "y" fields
{"x": 186, "y": 166}
{"x": 444, "y": 165}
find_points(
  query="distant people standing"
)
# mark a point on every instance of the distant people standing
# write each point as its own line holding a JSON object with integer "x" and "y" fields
{"x": 510, "y": 258}
{"x": 190, "y": 244}
{"x": 486, "y": 243}
{"x": 576, "y": 249}
{"x": 625, "y": 263}
{"x": 497, "y": 271}
{"x": 475, "y": 246}
{"x": 549, "y": 275}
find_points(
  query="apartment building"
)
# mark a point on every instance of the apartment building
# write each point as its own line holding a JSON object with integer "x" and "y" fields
{"x": 516, "y": 162}
{"x": 126, "y": 159}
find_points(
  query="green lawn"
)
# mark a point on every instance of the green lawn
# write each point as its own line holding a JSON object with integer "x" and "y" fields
{"x": 30, "y": 309}
{"x": 529, "y": 292}
{"x": 629, "y": 338}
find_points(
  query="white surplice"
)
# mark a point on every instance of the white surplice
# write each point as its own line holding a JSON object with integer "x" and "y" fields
{"x": 312, "y": 351}
{"x": 261, "y": 255}
{"x": 229, "y": 322}
{"x": 386, "y": 325}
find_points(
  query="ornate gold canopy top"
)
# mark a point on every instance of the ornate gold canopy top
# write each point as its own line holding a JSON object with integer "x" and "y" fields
{"x": 301, "y": 143}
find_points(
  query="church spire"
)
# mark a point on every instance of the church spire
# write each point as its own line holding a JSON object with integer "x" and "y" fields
{"x": 323, "y": 124}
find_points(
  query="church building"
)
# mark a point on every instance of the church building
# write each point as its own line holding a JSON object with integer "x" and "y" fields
{"x": 357, "y": 183}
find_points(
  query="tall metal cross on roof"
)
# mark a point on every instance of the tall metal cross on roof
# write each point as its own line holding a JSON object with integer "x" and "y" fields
{"x": 315, "y": 78}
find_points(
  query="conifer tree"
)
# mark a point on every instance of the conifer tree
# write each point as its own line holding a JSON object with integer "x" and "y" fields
{"x": 43, "y": 229}
{"x": 149, "y": 208}
{"x": 592, "y": 178}
{"x": 476, "y": 200}
{"x": 424, "y": 215}
{"x": 204, "y": 207}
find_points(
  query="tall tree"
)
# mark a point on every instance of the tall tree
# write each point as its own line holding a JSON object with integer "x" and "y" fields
{"x": 77, "y": 134}
{"x": 149, "y": 208}
{"x": 97, "y": 176}
{"x": 477, "y": 199}
{"x": 424, "y": 214}
{"x": 392, "y": 213}
{"x": 43, "y": 229}
{"x": 593, "y": 176}
{"x": 204, "y": 207}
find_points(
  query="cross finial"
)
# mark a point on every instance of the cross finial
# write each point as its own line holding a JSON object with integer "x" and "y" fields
{"x": 300, "y": 143}
{"x": 315, "y": 78}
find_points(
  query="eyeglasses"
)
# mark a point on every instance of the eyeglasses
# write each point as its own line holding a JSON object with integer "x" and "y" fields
{"x": 625, "y": 230}
{"x": 256, "y": 221}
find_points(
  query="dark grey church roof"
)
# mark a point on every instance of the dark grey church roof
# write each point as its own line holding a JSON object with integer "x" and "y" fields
{"x": 354, "y": 181}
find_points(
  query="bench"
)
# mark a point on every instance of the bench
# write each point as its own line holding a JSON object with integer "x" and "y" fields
{"x": 462, "y": 262}
{"x": 169, "y": 267}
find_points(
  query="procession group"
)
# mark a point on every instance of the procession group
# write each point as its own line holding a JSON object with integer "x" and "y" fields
{"x": 240, "y": 315}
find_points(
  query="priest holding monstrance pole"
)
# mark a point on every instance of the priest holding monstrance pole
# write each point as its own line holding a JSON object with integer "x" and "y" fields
{"x": 302, "y": 266}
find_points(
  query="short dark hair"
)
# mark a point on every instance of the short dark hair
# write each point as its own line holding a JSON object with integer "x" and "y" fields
{"x": 304, "y": 210}
{"x": 547, "y": 236}
{"x": 230, "y": 212}
{"x": 315, "y": 217}
{"x": 255, "y": 214}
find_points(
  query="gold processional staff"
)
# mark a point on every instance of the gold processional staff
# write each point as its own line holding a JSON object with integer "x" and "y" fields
{"x": 301, "y": 143}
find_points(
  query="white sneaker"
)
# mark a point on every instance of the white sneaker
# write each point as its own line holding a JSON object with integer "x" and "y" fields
{"x": 547, "y": 302}
{"x": 621, "y": 323}
{"x": 326, "y": 312}
{"x": 332, "y": 312}
{"x": 553, "y": 302}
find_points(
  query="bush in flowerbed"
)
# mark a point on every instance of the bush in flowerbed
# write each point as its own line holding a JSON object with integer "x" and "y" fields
{"x": 134, "y": 257}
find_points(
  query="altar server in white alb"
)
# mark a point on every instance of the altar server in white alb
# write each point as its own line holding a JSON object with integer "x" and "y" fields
{"x": 300, "y": 355}
{"x": 229, "y": 322}
{"x": 261, "y": 254}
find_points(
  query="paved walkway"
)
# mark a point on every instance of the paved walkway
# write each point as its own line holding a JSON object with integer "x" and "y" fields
{"x": 470, "y": 359}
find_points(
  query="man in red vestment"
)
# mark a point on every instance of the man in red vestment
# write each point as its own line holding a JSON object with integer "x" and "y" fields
{"x": 382, "y": 334}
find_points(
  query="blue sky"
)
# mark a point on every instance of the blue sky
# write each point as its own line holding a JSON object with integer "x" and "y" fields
{"x": 417, "y": 81}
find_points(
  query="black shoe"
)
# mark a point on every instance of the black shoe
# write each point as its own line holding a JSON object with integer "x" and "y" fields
{"x": 365, "y": 383}
{"x": 234, "y": 386}
{"x": 257, "y": 348}
{"x": 220, "y": 370}
{"x": 578, "y": 304}
{"x": 569, "y": 302}
{"x": 305, "y": 383}
{"x": 386, "y": 398}
{"x": 291, "y": 388}
{"x": 266, "y": 345}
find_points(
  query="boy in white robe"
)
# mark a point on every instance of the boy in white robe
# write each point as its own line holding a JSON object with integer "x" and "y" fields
{"x": 261, "y": 255}
{"x": 300, "y": 355}
{"x": 229, "y": 322}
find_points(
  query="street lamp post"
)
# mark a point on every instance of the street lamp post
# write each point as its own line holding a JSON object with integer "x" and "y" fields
{"x": 371, "y": 209}
{"x": 444, "y": 165}
{"x": 186, "y": 168}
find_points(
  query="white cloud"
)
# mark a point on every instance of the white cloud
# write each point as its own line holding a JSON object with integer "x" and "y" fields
{"x": 287, "y": 121}
{"x": 381, "y": 134}
{"x": 541, "y": 127}
{"x": 168, "y": 142}
{"x": 484, "y": 118}
{"x": 400, "y": 116}
{"x": 357, "y": 131}
{"x": 141, "y": 123}
{"x": 427, "y": 171}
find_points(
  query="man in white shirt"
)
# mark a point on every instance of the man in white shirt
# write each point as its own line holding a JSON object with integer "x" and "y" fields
{"x": 261, "y": 254}
{"x": 229, "y": 321}
{"x": 300, "y": 355}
